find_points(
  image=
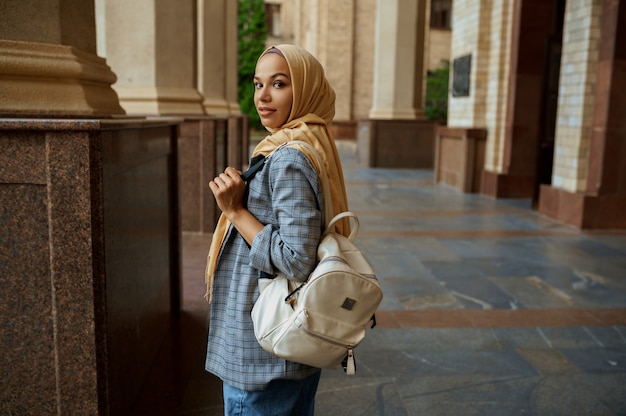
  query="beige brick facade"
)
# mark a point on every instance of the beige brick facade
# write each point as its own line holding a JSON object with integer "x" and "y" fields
{"x": 581, "y": 35}
{"x": 483, "y": 29}
{"x": 543, "y": 85}
{"x": 470, "y": 37}
{"x": 497, "y": 81}
{"x": 438, "y": 47}
{"x": 336, "y": 50}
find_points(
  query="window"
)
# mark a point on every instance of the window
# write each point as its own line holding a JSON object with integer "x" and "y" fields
{"x": 440, "y": 14}
{"x": 272, "y": 11}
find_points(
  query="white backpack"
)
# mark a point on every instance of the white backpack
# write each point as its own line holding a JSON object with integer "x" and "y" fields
{"x": 321, "y": 321}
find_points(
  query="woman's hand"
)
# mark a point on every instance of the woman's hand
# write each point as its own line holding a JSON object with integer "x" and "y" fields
{"x": 228, "y": 189}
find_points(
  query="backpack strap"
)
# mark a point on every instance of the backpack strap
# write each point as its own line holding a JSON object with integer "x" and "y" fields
{"x": 346, "y": 214}
{"x": 257, "y": 163}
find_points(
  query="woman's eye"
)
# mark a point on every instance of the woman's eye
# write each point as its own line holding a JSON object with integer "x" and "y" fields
{"x": 258, "y": 85}
{"x": 279, "y": 84}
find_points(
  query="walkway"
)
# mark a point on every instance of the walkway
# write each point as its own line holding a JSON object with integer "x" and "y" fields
{"x": 489, "y": 309}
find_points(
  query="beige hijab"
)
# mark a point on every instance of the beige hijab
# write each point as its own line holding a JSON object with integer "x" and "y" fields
{"x": 312, "y": 110}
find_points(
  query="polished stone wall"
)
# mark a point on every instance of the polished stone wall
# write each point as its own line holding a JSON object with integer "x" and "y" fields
{"x": 202, "y": 154}
{"x": 89, "y": 253}
{"x": 206, "y": 146}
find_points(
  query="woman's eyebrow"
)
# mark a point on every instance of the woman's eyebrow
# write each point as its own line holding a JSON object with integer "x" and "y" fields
{"x": 278, "y": 74}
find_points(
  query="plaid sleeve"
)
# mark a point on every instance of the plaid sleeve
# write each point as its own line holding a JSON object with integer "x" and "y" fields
{"x": 289, "y": 246}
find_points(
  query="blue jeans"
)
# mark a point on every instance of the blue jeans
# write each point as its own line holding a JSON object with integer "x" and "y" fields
{"x": 281, "y": 398}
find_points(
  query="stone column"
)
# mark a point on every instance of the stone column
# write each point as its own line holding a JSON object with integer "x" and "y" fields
{"x": 217, "y": 56}
{"x": 399, "y": 62}
{"x": 334, "y": 40}
{"x": 397, "y": 133}
{"x": 230, "y": 49}
{"x": 179, "y": 57}
{"x": 151, "y": 46}
{"x": 336, "y": 53}
{"x": 48, "y": 51}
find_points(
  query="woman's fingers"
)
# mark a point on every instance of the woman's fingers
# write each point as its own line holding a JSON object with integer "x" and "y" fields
{"x": 230, "y": 177}
{"x": 228, "y": 189}
{"x": 233, "y": 173}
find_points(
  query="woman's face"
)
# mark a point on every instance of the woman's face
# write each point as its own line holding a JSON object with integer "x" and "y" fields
{"x": 273, "y": 95}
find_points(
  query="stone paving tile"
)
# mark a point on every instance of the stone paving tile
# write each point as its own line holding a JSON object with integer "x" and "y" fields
{"x": 598, "y": 360}
{"x": 479, "y": 371}
{"x": 548, "y": 362}
{"x": 423, "y": 249}
{"x": 478, "y": 292}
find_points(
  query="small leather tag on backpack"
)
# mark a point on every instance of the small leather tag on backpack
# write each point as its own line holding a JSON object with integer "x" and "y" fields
{"x": 348, "y": 304}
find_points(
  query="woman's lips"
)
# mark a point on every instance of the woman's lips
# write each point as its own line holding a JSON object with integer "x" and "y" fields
{"x": 265, "y": 112}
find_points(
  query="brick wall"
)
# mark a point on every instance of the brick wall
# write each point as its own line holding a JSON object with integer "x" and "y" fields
{"x": 577, "y": 84}
{"x": 341, "y": 34}
{"x": 439, "y": 47}
{"x": 336, "y": 47}
{"x": 483, "y": 29}
{"x": 468, "y": 39}
{"x": 496, "y": 79}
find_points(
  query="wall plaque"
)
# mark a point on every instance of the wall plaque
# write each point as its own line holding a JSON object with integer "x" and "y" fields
{"x": 461, "y": 76}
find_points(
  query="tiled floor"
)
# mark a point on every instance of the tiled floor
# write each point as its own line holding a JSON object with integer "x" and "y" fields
{"x": 489, "y": 309}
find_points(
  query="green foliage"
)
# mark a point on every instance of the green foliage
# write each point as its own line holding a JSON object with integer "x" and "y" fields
{"x": 436, "y": 105}
{"x": 252, "y": 36}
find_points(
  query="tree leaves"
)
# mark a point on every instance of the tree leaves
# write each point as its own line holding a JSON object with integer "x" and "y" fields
{"x": 252, "y": 23}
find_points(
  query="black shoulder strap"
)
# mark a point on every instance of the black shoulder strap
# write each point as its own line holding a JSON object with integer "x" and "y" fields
{"x": 256, "y": 164}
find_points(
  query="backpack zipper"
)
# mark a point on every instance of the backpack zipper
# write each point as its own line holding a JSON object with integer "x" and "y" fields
{"x": 350, "y": 367}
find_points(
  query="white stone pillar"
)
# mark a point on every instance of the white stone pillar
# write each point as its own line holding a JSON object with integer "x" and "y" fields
{"x": 399, "y": 60}
{"x": 230, "y": 49}
{"x": 48, "y": 62}
{"x": 151, "y": 46}
{"x": 217, "y": 56}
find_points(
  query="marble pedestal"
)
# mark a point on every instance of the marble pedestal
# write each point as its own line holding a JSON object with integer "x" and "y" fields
{"x": 396, "y": 143}
{"x": 89, "y": 260}
{"x": 459, "y": 157}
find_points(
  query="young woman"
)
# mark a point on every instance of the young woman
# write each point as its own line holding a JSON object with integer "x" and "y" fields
{"x": 271, "y": 226}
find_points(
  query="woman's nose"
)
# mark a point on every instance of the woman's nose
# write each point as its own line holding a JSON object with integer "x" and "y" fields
{"x": 264, "y": 94}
